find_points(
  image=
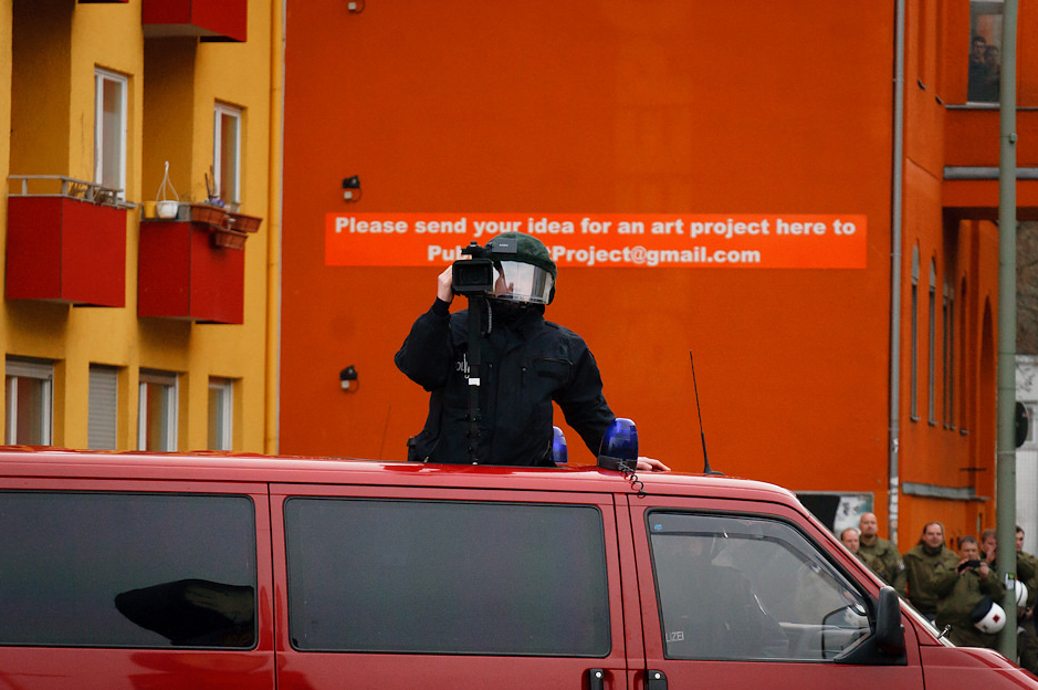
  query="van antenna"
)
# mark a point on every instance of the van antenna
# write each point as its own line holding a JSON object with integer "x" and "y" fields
{"x": 702, "y": 436}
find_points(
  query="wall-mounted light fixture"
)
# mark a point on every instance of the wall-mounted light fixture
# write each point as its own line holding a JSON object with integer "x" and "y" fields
{"x": 348, "y": 379}
{"x": 352, "y": 187}
{"x": 356, "y": 6}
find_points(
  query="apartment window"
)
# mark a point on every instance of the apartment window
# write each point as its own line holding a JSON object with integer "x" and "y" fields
{"x": 914, "y": 364}
{"x": 932, "y": 355}
{"x": 985, "y": 62}
{"x": 221, "y": 414}
{"x": 227, "y": 153}
{"x": 103, "y": 407}
{"x": 110, "y": 97}
{"x": 157, "y": 411}
{"x": 29, "y": 401}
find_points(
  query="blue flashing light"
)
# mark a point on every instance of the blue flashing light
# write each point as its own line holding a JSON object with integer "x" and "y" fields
{"x": 619, "y": 444}
{"x": 559, "y": 452}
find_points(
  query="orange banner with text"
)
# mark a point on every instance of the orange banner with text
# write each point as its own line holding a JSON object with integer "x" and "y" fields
{"x": 689, "y": 240}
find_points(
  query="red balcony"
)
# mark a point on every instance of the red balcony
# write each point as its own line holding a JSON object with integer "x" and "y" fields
{"x": 191, "y": 269}
{"x": 209, "y": 20}
{"x": 66, "y": 241}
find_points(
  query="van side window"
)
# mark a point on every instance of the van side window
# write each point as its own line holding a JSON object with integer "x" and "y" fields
{"x": 127, "y": 570}
{"x": 443, "y": 577}
{"x": 749, "y": 588}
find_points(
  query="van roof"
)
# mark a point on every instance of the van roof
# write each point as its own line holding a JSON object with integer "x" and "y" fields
{"x": 48, "y": 462}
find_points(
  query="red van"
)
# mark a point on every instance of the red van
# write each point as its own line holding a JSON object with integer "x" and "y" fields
{"x": 125, "y": 570}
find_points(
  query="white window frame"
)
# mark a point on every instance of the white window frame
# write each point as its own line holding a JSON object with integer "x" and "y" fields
{"x": 222, "y": 438}
{"x": 222, "y": 110}
{"x": 101, "y": 78}
{"x": 170, "y": 381}
{"x": 30, "y": 369}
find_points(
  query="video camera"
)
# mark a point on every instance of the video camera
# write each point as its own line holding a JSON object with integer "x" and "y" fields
{"x": 969, "y": 564}
{"x": 475, "y": 276}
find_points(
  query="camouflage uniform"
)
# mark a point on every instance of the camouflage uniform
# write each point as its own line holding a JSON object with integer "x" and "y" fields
{"x": 924, "y": 566}
{"x": 1025, "y": 562}
{"x": 964, "y": 592}
{"x": 893, "y": 572}
{"x": 872, "y": 562}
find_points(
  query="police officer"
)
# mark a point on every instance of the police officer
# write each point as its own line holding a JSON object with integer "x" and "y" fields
{"x": 925, "y": 564}
{"x": 526, "y": 363}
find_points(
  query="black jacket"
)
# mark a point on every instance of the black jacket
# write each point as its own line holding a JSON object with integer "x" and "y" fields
{"x": 524, "y": 367}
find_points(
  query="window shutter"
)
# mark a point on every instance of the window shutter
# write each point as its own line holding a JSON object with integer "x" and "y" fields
{"x": 103, "y": 412}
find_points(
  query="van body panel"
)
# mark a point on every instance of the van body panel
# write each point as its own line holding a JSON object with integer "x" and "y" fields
{"x": 579, "y": 572}
{"x": 43, "y": 667}
{"x": 970, "y": 667}
{"x": 319, "y": 670}
{"x": 218, "y": 466}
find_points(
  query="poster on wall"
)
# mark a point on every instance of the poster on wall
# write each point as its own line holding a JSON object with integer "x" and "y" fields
{"x": 837, "y": 511}
{"x": 606, "y": 240}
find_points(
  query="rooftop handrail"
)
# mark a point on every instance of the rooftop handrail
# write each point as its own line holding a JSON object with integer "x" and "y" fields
{"x": 71, "y": 188}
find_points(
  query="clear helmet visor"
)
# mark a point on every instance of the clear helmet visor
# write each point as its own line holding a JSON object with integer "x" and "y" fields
{"x": 515, "y": 281}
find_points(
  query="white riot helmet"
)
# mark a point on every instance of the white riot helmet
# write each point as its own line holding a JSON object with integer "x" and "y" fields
{"x": 988, "y": 616}
{"x": 1020, "y": 591}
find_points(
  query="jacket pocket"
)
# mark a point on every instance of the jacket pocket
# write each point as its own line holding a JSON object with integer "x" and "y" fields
{"x": 555, "y": 369}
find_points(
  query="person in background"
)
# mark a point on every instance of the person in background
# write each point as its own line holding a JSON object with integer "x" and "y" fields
{"x": 1025, "y": 569}
{"x": 1024, "y": 557}
{"x": 978, "y": 71}
{"x": 849, "y": 538}
{"x": 893, "y": 572}
{"x": 925, "y": 564}
{"x": 963, "y": 591}
{"x": 1027, "y": 636}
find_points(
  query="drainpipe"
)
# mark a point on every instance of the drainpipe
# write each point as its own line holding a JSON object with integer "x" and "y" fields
{"x": 275, "y": 183}
{"x": 1005, "y": 463}
{"x": 895, "y": 272}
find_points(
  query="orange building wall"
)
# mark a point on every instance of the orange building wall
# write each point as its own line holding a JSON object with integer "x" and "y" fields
{"x": 604, "y": 107}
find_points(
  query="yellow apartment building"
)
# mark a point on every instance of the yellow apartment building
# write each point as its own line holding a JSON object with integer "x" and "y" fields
{"x": 140, "y": 307}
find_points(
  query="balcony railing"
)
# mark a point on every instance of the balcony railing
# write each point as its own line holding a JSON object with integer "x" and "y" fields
{"x": 70, "y": 187}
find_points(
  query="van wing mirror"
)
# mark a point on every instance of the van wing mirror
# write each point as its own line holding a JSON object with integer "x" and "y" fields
{"x": 886, "y": 645}
{"x": 890, "y": 634}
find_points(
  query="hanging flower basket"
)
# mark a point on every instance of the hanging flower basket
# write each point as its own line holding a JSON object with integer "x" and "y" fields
{"x": 243, "y": 223}
{"x": 226, "y": 238}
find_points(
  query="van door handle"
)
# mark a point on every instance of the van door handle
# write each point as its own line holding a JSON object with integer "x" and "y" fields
{"x": 595, "y": 679}
{"x": 655, "y": 680}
